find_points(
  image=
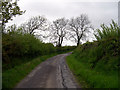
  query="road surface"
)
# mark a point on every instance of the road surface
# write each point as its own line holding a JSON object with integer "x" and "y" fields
{"x": 52, "y": 73}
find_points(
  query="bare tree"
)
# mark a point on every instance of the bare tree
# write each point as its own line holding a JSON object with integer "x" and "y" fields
{"x": 58, "y": 31}
{"x": 34, "y": 23}
{"x": 79, "y": 27}
{"x": 23, "y": 28}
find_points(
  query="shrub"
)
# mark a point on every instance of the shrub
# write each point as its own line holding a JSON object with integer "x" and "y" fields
{"x": 108, "y": 32}
{"x": 17, "y": 46}
{"x": 98, "y": 62}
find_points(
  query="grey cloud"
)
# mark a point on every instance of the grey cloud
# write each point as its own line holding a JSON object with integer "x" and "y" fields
{"x": 96, "y": 10}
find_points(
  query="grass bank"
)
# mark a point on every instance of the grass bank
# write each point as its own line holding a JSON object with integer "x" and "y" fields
{"x": 97, "y": 63}
{"x": 89, "y": 78}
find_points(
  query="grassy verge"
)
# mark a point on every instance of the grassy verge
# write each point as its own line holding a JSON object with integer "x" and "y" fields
{"x": 12, "y": 76}
{"x": 91, "y": 78}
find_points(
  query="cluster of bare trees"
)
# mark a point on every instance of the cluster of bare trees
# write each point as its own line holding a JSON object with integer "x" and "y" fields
{"x": 58, "y": 31}
{"x": 74, "y": 29}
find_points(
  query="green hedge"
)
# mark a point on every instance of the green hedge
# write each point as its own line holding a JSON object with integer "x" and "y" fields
{"x": 18, "y": 48}
{"x": 102, "y": 55}
{"x": 97, "y": 63}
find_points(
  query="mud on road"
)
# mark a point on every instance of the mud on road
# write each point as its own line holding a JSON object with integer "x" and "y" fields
{"x": 52, "y": 73}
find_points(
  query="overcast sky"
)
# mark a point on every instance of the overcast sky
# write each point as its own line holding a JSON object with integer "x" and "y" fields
{"x": 98, "y": 11}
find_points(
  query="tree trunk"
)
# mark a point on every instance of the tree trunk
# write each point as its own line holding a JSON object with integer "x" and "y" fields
{"x": 78, "y": 42}
{"x": 61, "y": 40}
{"x": 59, "y": 43}
{"x": 31, "y": 32}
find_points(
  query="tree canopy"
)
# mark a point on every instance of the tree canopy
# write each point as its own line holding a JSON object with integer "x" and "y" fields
{"x": 79, "y": 27}
{"x": 9, "y": 10}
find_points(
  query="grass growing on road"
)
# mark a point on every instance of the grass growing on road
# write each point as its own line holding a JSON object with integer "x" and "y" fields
{"x": 12, "y": 76}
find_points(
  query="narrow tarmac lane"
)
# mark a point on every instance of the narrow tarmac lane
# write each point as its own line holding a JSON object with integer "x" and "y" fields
{"x": 52, "y": 73}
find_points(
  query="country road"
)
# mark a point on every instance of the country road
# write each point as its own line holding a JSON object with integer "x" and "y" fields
{"x": 52, "y": 73}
